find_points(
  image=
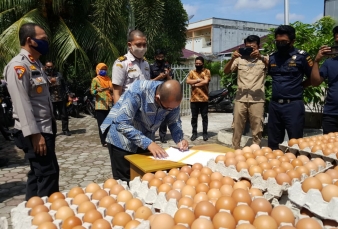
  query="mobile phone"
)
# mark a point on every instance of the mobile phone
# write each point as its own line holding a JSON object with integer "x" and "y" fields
{"x": 246, "y": 51}
{"x": 334, "y": 50}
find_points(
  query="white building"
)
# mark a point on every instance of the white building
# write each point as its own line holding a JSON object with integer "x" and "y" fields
{"x": 331, "y": 8}
{"x": 213, "y": 35}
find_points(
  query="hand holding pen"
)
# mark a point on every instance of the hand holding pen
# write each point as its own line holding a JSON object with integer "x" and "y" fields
{"x": 183, "y": 145}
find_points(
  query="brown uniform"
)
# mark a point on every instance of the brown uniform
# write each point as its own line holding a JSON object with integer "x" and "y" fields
{"x": 250, "y": 98}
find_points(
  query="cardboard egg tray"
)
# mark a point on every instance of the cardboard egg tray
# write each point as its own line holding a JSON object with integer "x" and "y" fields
{"x": 21, "y": 219}
{"x": 313, "y": 201}
{"x": 307, "y": 152}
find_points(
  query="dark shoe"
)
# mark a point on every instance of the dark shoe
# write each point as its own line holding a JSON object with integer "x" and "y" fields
{"x": 193, "y": 137}
{"x": 67, "y": 133}
{"x": 205, "y": 137}
{"x": 163, "y": 140}
{"x": 3, "y": 162}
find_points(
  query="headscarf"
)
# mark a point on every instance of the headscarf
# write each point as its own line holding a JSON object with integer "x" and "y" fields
{"x": 105, "y": 81}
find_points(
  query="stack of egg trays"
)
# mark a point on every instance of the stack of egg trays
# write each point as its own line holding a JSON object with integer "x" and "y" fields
{"x": 313, "y": 201}
{"x": 21, "y": 219}
{"x": 307, "y": 152}
{"x": 270, "y": 187}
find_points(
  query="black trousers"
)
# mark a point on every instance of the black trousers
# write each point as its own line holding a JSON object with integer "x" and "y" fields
{"x": 100, "y": 116}
{"x": 43, "y": 177}
{"x": 196, "y": 108}
{"x": 330, "y": 123}
{"x": 286, "y": 116}
{"x": 62, "y": 108}
{"x": 120, "y": 166}
{"x": 163, "y": 129}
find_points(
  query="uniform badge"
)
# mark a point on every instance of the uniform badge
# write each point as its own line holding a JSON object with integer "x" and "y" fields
{"x": 146, "y": 68}
{"x": 39, "y": 89}
{"x": 20, "y": 70}
{"x": 32, "y": 67}
{"x": 39, "y": 79}
{"x": 122, "y": 58}
{"x": 119, "y": 65}
{"x": 31, "y": 58}
{"x": 294, "y": 57}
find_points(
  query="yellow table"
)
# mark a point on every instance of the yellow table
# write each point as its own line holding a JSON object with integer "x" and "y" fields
{"x": 142, "y": 163}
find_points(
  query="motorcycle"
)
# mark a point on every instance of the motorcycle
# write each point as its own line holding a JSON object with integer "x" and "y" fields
{"x": 6, "y": 106}
{"x": 219, "y": 101}
{"x": 72, "y": 105}
{"x": 87, "y": 103}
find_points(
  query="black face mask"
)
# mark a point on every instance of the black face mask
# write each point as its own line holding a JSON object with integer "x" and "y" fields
{"x": 49, "y": 71}
{"x": 283, "y": 48}
{"x": 199, "y": 67}
{"x": 160, "y": 62}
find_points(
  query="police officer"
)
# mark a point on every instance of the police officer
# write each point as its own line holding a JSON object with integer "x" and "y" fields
{"x": 287, "y": 66}
{"x": 132, "y": 66}
{"x": 160, "y": 70}
{"x": 34, "y": 122}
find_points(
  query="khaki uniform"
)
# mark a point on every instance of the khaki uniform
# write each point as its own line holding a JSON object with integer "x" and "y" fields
{"x": 127, "y": 69}
{"x": 28, "y": 87}
{"x": 250, "y": 98}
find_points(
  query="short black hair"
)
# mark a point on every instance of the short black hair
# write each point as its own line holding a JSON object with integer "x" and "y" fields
{"x": 27, "y": 30}
{"x": 286, "y": 30}
{"x": 200, "y": 58}
{"x": 252, "y": 38}
{"x": 135, "y": 33}
{"x": 159, "y": 52}
{"x": 335, "y": 30}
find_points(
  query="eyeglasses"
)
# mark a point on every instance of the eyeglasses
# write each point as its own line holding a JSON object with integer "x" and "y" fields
{"x": 282, "y": 42}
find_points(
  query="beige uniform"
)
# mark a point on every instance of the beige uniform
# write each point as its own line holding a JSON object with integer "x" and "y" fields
{"x": 127, "y": 69}
{"x": 250, "y": 98}
{"x": 29, "y": 91}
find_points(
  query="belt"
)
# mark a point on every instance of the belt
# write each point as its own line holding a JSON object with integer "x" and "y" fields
{"x": 281, "y": 101}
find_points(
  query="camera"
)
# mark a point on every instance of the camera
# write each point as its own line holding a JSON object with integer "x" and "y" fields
{"x": 334, "y": 50}
{"x": 246, "y": 51}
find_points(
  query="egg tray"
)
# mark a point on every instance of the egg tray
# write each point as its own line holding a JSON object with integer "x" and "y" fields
{"x": 21, "y": 219}
{"x": 313, "y": 201}
{"x": 307, "y": 152}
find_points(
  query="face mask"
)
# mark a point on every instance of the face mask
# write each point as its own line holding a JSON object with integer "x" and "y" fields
{"x": 49, "y": 71}
{"x": 160, "y": 61}
{"x": 138, "y": 52}
{"x": 42, "y": 47}
{"x": 102, "y": 72}
{"x": 283, "y": 48}
{"x": 199, "y": 67}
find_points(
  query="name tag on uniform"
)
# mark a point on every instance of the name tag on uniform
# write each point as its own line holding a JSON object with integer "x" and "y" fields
{"x": 131, "y": 70}
{"x": 293, "y": 64}
{"x": 39, "y": 80}
{"x": 273, "y": 65}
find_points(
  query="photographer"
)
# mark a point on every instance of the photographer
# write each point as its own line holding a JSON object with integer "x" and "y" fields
{"x": 251, "y": 69}
{"x": 328, "y": 71}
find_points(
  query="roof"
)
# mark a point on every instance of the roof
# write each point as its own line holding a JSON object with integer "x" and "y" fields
{"x": 188, "y": 54}
{"x": 263, "y": 41}
{"x": 227, "y": 19}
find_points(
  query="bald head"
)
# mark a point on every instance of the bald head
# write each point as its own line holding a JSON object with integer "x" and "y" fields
{"x": 135, "y": 33}
{"x": 170, "y": 90}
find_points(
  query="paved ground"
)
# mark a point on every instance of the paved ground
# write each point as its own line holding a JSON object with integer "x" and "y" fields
{"x": 81, "y": 157}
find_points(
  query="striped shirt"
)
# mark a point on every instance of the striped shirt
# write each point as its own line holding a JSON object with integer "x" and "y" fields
{"x": 135, "y": 118}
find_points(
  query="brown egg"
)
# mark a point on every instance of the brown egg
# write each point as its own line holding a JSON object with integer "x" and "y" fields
{"x": 155, "y": 182}
{"x": 161, "y": 174}
{"x": 270, "y": 156}
{"x": 242, "y": 165}
{"x": 267, "y": 150}
{"x": 240, "y": 158}
{"x": 64, "y": 212}
{"x": 173, "y": 194}
{"x": 311, "y": 166}
{"x": 148, "y": 177}
{"x": 287, "y": 227}
{"x": 279, "y": 170}
{"x": 265, "y": 165}
{"x": 274, "y": 162}
{"x": 255, "y": 192}
{"x": 282, "y": 178}
{"x": 37, "y": 209}
{"x": 116, "y": 189}
{"x": 178, "y": 184}
{"x": 92, "y": 215}
{"x": 227, "y": 180}
{"x": 224, "y": 220}
{"x": 92, "y": 187}
{"x": 251, "y": 161}
{"x": 333, "y": 173}
{"x": 34, "y": 201}
{"x": 132, "y": 224}
{"x": 226, "y": 190}
{"x": 241, "y": 195}
{"x": 197, "y": 166}
{"x": 226, "y": 203}
{"x": 182, "y": 176}
{"x": 193, "y": 181}
{"x": 58, "y": 203}
{"x": 195, "y": 173}
{"x": 303, "y": 170}
{"x": 230, "y": 155}
{"x": 164, "y": 188}
{"x": 303, "y": 158}
{"x": 188, "y": 191}
{"x": 216, "y": 176}
{"x": 47, "y": 225}
{"x": 329, "y": 191}
{"x": 261, "y": 205}
{"x": 202, "y": 223}
{"x": 101, "y": 224}
{"x": 306, "y": 223}
{"x": 168, "y": 180}
{"x": 71, "y": 222}
{"x": 99, "y": 194}
{"x": 202, "y": 188}
{"x": 261, "y": 159}
{"x": 324, "y": 178}
{"x": 204, "y": 178}
{"x": 286, "y": 165}
{"x": 258, "y": 153}
{"x": 41, "y": 218}
{"x": 184, "y": 216}
{"x": 214, "y": 194}
{"x": 78, "y": 199}
{"x": 296, "y": 162}
{"x": 109, "y": 183}
{"x": 215, "y": 184}
{"x": 244, "y": 184}
{"x": 303, "y": 145}
{"x": 294, "y": 174}
{"x": 292, "y": 142}
{"x": 255, "y": 147}
{"x": 124, "y": 196}
{"x": 200, "y": 197}
{"x": 270, "y": 173}
{"x": 319, "y": 162}
{"x": 162, "y": 221}
{"x": 121, "y": 219}
{"x": 106, "y": 201}
{"x": 243, "y": 212}
{"x": 220, "y": 158}
{"x": 206, "y": 170}
{"x": 186, "y": 201}
{"x": 186, "y": 169}
{"x": 55, "y": 196}
{"x": 143, "y": 212}
{"x": 336, "y": 168}
{"x": 327, "y": 151}
{"x": 245, "y": 226}
{"x": 265, "y": 222}
{"x": 278, "y": 153}
{"x": 74, "y": 192}
{"x": 78, "y": 227}
{"x": 315, "y": 148}
{"x": 205, "y": 208}
{"x": 285, "y": 158}
{"x": 283, "y": 214}
{"x": 230, "y": 161}
{"x": 133, "y": 204}
{"x": 113, "y": 209}
{"x": 311, "y": 183}
{"x": 255, "y": 169}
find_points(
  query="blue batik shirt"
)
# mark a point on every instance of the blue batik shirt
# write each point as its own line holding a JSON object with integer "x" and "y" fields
{"x": 135, "y": 118}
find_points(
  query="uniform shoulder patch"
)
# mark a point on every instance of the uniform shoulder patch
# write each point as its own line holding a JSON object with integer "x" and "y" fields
{"x": 122, "y": 58}
{"x": 20, "y": 70}
{"x": 119, "y": 65}
{"x": 145, "y": 59}
{"x": 302, "y": 52}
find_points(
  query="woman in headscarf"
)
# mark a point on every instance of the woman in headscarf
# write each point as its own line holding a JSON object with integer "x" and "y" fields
{"x": 102, "y": 88}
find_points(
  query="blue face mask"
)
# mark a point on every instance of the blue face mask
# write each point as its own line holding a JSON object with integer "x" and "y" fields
{"x": 102, "y": 72}
{"x": 43, "y": 46}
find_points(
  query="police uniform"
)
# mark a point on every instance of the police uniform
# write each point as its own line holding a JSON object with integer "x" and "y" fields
{"x": 33, "y": 114}
{"x": 286, "y": 108}
{"x": 127, "y": 69}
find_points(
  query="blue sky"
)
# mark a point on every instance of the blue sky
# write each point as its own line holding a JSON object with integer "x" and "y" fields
{"x": 264, "y": 11}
